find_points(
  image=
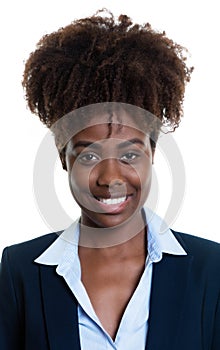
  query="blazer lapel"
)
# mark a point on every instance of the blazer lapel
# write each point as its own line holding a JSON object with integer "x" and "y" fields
{"x": 60, "y": 309}
{"x": 169, "y": 290}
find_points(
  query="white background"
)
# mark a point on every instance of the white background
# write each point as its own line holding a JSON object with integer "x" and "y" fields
{"x": 192, "y": 24}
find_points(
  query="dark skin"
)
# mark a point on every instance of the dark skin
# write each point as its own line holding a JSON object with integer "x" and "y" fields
{"x": 112, "y": 247}
{"x": 110, "y": 276}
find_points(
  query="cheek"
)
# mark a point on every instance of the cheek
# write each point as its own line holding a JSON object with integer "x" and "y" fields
{"x": 79, "y": 178}
{"x": 143, "y": 173}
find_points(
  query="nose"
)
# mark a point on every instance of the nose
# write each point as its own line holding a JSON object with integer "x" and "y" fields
{"x": 109, "y": 173}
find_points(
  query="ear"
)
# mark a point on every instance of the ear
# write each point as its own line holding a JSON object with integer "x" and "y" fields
{"x": 62, "y": 155}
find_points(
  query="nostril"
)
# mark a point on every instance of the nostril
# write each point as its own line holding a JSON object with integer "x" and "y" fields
{"x": 116, "y": 182}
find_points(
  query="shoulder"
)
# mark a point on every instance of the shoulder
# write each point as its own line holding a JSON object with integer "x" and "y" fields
{"x": 195, "y": 243}
{"x": 30, "y": 250}
{"x": 203, "y": 250}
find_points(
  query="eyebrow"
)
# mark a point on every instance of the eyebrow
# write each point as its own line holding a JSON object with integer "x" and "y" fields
{"x": 127, "y": 143}
{"x": 86, "y": 144}
{"x": 124, "y": 144}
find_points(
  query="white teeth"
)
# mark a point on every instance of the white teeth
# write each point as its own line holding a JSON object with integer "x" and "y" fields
{"x": 112, "y": 200}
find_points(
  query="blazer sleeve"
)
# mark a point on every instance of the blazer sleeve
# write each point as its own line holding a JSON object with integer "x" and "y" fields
{"x": 10, "y": 322}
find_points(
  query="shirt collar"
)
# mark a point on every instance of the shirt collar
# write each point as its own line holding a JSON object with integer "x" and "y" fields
{"x": 160, "y": 240}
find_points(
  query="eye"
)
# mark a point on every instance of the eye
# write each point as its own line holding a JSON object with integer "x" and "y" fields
{"x": 87, "y": 158}
{"x": 129, "y": 157}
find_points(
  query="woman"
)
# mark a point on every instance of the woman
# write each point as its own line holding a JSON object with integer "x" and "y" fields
{"x": 110, "y": 280}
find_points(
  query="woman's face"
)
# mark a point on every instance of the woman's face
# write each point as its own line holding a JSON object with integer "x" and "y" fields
{"x": 109, "y": 171}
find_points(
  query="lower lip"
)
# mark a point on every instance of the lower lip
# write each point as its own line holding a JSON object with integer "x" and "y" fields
{"x": 112, "y": 208}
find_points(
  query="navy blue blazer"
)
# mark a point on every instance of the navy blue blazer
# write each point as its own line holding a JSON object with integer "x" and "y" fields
{"x": 39, "y": 312}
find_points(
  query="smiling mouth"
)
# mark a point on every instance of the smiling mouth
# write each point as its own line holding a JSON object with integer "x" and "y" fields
{"x": 111, "y": 201}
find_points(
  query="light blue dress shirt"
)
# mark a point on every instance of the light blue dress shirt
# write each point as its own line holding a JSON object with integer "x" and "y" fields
{"x": 132, "y": 331}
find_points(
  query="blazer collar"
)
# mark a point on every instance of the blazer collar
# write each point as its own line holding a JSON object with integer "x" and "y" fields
{"x": 60, "y": 311}
{"x": 170, "y": 285}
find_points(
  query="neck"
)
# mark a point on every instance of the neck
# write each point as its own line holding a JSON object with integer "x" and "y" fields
{"x": 102, "y": 237}
{"x": 134, "y": 247}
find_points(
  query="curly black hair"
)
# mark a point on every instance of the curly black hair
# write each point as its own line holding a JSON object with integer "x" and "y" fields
{"x": 101, "y": 59}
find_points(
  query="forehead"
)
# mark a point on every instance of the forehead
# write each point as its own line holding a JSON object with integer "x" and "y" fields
{"x": 103, "y": 120}
{"x": 106, "y": 133}
{"x": 112, "y": 123}
{"x": 120, "y": 118}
